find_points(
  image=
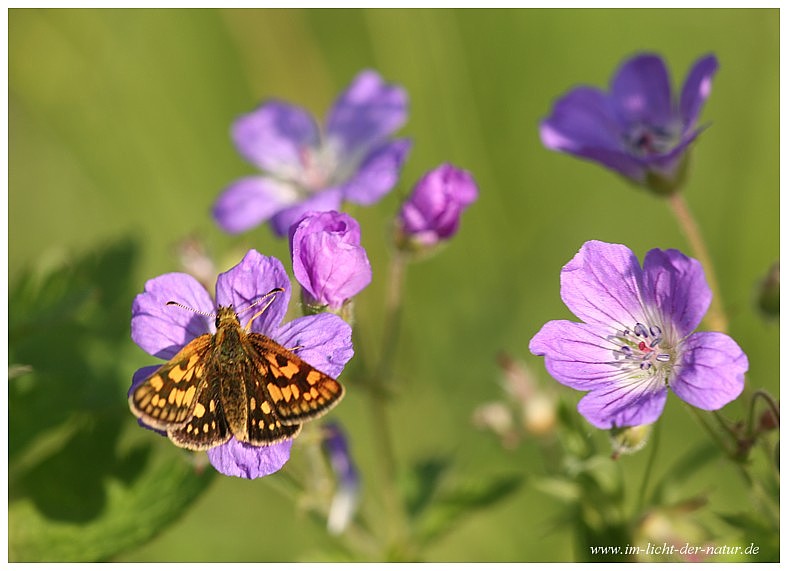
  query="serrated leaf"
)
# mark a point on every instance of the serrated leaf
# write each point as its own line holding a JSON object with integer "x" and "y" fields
{"x": 76, "y": 493}
{"x": 141, "y": 498}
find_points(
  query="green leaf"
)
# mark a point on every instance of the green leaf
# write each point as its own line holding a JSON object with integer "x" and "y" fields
{"x": 426, "y": 478}
{"x": 681, "y": 470}
{"x": 104, "y": 515}
{"x": 448, "y": 508}
{"x": 752, "y": 526}
{"x": 78, "y": 491}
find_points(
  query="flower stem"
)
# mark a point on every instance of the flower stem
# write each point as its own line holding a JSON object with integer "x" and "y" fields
{"x": 715, "y": 318}
{"x": 771, "y": 404}
{"x": 378, "y": 394}
{"x": 649, "y": 469}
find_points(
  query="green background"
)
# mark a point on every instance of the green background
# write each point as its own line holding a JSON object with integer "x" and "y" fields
{"x": 119, "y": 130}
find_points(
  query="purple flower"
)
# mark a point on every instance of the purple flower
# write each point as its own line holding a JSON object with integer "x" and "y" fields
{"x": 637, "y": 340}
{"x": 432, "y": 211}
{"x": 637, "y": 129}
{"x": 305, "y": 169}
{"x": 162, "y": 330}
{"x": 328, "y": 259}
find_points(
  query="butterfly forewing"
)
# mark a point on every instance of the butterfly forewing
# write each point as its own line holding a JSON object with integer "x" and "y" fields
{"x": 263, "y": 424}
{"x": 296, "y": 390}
{"x": 167, "y": 398}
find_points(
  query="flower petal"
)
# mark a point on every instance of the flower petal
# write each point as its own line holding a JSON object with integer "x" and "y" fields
{"x": 323, "y": 341}
{"x": 602, "y": 284}
{"x": 378, "y": 174}
{"x": 243, "y": 460}
{"x": 711, "y": 373}
{"x": 676, "y": 285}
{"x": 577, "y": 355}
{"x": 250, "y": 201}
{"x": 697, "y": 87}
{"x": 323, "y": 201}
{"x": 628, "y": 403}
{"x": 641, "y": 91}
{"x": 274, "y": 136}
{"x": 161, "y": 329}
{"x": 255, "y": 276}
{"x": 366, "y": 113}
{"x": 580, "y": 119}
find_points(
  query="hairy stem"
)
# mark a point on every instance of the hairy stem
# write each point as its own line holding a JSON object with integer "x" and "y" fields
{"x": 715, "y": 318}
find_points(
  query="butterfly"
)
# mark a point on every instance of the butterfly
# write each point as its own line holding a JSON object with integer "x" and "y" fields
{"x": 234, "y": 383}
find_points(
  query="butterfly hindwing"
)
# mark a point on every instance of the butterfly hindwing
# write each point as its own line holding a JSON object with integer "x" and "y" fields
{"x": 167, "y": 398}
{"x": 208, "y": 425}
{"x": 296, "y": 390}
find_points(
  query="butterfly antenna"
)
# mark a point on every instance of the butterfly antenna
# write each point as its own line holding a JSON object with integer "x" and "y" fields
{"x": 257, "y": 302}
{"x": 197, "y": 311}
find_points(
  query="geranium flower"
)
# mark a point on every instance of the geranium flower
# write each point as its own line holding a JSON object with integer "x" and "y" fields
{"x": 432, "y": 212}
{"x": 305, "y": 169}
{"x": 637, "y": 341}
{"x": 323, "y": 341}
{"x": 328, "y": 259}
{"x": 637, "y": 129}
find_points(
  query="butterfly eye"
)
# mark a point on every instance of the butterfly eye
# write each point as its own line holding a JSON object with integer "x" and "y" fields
{"x": 216, "y": 322}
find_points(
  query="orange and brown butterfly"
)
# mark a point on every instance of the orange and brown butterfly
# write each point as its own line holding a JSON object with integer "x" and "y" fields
{"x": 232, "y": 383}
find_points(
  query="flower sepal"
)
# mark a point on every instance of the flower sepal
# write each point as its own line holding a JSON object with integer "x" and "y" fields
{"x": 413, "y": 248}
{"x": 667, "y": 183}
{"x": 346, "y": 311}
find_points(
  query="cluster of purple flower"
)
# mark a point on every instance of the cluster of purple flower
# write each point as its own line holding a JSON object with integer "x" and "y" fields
{"x": 308, "y": 174}
{"x": 637, "y": 339}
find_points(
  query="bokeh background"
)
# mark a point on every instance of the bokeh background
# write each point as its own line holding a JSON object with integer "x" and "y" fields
{"x": 119, "y": 143}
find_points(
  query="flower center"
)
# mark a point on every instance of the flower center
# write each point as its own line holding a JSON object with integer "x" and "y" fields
{"x": 643, "y": 347}
{"x": 319, "y": 168}
{"x": 647, "y": 140}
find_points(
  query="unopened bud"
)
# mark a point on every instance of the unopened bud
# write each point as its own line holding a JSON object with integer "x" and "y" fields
{"x": 769, "y": 292}
{"x": 629, "y": 440}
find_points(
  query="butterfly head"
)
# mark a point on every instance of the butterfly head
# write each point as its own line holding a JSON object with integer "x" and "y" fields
{"x": 226, "y": 316}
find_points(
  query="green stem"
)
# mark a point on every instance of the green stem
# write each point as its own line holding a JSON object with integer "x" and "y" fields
{"x": 715, "y": 318}
{"x": 378, "y": 394}
{"x": 356, "y": 538}
{"x": 649, "y": 469}
{"x": 731, "y": 454}
{"x": 771, "y": 404}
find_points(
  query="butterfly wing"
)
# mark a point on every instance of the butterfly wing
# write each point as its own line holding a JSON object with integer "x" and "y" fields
{"x": 207, "y": 426}
{"x": 168, "y": 397}
{"x": 263, "y": 423}
{"x": 293, "y": 388}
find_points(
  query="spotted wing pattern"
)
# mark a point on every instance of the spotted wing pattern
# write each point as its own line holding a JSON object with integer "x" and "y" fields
{"x": 167, "y": 398}
{"x": 296, "y": 391}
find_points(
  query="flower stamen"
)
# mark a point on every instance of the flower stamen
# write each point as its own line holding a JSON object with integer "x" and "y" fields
{"x": 640, "y": 346}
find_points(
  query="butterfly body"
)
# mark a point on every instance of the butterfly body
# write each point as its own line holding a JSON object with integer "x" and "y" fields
{"x": 234, "y": 383}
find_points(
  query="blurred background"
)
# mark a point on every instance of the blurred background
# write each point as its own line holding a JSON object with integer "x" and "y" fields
{"x": 119, "y": 144}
